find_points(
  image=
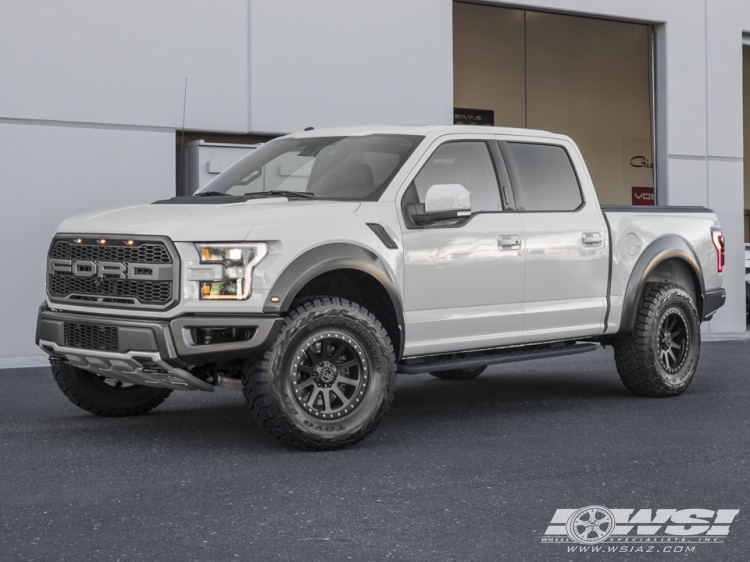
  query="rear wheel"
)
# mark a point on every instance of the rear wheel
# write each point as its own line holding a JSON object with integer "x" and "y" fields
{"x": 660, "y": 356}
{"x": 459, "y": 374}
{"x": 328, "y": 379}
{"x": 103, "y": 396}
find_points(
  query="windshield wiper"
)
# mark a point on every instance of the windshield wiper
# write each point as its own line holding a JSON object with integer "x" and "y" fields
{"x": 281, "y": 193}
{"x": 213, "y": 194}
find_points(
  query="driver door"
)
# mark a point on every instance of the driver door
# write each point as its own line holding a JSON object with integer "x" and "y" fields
{"x": 464, "y": 279}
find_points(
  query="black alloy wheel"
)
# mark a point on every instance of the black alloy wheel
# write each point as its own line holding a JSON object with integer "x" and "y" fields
{"x": 327, "y": 380}
{"x": 330, "y": 375}
{"x": 674, "y": 342}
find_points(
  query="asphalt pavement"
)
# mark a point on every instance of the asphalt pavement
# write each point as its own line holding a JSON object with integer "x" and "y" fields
{"x": 465, "y": 471}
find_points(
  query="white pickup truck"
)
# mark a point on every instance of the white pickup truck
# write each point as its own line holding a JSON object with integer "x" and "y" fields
{"x": 316, "y": 268}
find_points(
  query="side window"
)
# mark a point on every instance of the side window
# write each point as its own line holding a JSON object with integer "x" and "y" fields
{"x": 465, "y": 162}
{"x": 543, "y": 177}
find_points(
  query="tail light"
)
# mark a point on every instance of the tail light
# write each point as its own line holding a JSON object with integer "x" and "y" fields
{"x": 717, "y": 237}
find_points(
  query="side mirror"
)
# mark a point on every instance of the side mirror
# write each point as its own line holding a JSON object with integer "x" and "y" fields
{"x": 448, "y": 197}
{"x": 445, "y": 201}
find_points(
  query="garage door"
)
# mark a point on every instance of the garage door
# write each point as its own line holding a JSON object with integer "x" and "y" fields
{"x": 587, "y": 78}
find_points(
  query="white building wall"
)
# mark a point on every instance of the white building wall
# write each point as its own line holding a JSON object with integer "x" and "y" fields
{"x": 342, "y": 62}
{"x": 125, "y": 63}
{"x": 92, "y": 93}
{"x": 49, "y": 173}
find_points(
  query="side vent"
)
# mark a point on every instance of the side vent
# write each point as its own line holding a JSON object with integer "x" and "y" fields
{"x": 380, "y": 232}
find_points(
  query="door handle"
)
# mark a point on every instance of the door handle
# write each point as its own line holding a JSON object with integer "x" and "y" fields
{"x": 592, "y": 238}
{"x": 509, "y": 242}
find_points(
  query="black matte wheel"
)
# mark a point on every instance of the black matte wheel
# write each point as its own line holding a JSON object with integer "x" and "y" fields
{"x": 328, "y": 379}
{"x": 103, "y": 396}
{"x": 660, "y": 356}
{"x": 459, "y": 374}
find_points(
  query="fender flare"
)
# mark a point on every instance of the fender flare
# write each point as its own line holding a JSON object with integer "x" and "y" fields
{"x": 330, "y": 257}
{"x": 666, "y": 247}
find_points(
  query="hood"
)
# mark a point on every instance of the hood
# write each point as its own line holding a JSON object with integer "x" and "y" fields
{"x": 221, "y": 222}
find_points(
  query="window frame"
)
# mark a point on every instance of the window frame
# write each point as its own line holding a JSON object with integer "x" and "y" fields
{"x": 488, "y": 144}
{"x": 513, "y": 174}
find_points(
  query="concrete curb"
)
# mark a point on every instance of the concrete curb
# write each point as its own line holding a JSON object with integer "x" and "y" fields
{"x": 731, "y": 336}
{"x": 23, "y": 362}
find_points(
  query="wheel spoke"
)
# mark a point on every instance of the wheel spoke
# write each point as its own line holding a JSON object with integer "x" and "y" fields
{"x": 665, "y": 359}
{"x": 305, "y": 384}
{"x": 348, "y": 364}
{"x": 326, "y": 400}
{"x": 311, "y": 355}
{"x": 337, "y": 391}
{"x": 325, "y": 348}
{"x": 350, "y": 382}
{"x": 670, "y": 358}
{"x": 305, "y": 369}
{"x": 674, "y": 345}
{"x": 313, "y": 397}
{"x": 339, "y": 351}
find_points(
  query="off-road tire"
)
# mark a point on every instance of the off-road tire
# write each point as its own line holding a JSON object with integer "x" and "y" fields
{"x": 639, "y": 354}
{"x": 276, "y": 392}
{"x": 89, "y": 392}
{"x": 459, "y": 374}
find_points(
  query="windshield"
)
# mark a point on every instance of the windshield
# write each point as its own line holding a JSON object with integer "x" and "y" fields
{"x": 350, "y": 168}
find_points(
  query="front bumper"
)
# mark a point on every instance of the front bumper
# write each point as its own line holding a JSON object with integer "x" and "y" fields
{"x": 157, "y": 353}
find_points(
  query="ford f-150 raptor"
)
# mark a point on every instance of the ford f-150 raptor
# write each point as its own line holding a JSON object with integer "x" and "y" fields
{"x": 313, "y": 270}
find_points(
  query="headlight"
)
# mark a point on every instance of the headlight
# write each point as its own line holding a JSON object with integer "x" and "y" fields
{"x": 233, "y": 276}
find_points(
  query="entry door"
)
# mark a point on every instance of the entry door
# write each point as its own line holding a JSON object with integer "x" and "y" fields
{"x": 567, "y": 260}
{"x": 464, "y": 281}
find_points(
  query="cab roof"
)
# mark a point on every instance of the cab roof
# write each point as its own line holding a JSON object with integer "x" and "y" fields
{"x": 421, "y": 130}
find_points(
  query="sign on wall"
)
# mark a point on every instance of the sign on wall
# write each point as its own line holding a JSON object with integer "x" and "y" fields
{"x": 464, "y": 116}
{"x": 643, "y": 196}
{"x": 638, "y": 170}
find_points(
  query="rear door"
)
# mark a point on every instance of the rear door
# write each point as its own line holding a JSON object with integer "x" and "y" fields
{"x": 464, "y": 280}
{"x": 567, "y": 260}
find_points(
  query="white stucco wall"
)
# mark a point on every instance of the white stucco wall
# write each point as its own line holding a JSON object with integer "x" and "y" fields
{"x": 337, "y": 62}
{"x": 49, "y": 173}
{"x": 125, "y": 63}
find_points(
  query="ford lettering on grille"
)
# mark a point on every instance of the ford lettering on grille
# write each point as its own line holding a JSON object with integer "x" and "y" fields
{"x": 133, "y": 273}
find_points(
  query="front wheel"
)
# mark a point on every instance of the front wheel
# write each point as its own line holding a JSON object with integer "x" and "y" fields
{"x": 659, "y": 357}
{"x": 327, "y": 380}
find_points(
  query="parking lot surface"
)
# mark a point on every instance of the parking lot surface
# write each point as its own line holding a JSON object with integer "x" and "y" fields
{"x": 464, "y": 470}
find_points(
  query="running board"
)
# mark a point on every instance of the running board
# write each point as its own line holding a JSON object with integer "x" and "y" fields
{"x": 482, "y": 359}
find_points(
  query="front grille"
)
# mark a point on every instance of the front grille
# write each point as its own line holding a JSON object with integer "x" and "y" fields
{"x": 136, "y": 273}
{"x": 144, "y": 253}
{"x": 91, "y": 336}
{"x": 78, "y": 288}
